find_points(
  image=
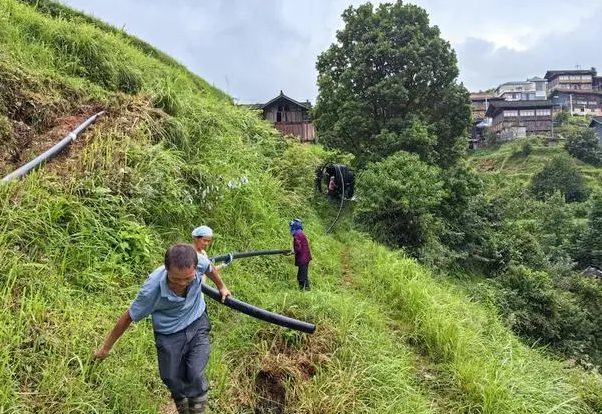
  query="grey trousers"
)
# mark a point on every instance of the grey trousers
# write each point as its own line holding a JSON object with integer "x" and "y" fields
{"x": 183, "y": 357}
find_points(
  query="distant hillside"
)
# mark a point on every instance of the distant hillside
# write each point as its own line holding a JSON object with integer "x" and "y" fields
{"x": 519, "y": 160}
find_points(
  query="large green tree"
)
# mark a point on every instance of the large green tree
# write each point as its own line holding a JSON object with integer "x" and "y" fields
{"x": 389, "y": 84}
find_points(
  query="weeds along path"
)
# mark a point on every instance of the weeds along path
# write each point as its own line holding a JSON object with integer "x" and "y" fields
{"x": 425, "y": 377}
{"x": 461, "y": 354}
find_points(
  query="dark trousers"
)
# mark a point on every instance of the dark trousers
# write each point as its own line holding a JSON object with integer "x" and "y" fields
{"x": 302, "y": 277}
{"x": 183, "y": 357}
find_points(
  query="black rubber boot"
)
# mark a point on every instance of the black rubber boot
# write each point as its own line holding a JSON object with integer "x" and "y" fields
{"x": 182, "y": 406}
{"x": 197, "y": 405}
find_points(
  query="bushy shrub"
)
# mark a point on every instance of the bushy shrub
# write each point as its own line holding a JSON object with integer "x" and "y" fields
{"x": 560, "y": 174}
{"x": 584, "y": 144}
{"x": 397, "y": 198}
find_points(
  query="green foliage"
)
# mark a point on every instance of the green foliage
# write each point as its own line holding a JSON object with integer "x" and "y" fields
{"x": 470, "y": 354}
{"x": 555, "y": 227}
{"x": 388, "y": 84}
{"x": 589, "y": 245}
{"x": 584, "y": 144}
{"x": 528, "y": 304}
{"x": 523, "y": 147}
{"x": 167, "y": 99}
{"x": 560, "y": 174}
{"x": 129, "y": 80}
{"x": 296, "y": 168}
{"x": 562, "y": 117}
{"x": 562, "y": 311}
{"x": 397, "y": 198}
{"x": 5, "y": 128}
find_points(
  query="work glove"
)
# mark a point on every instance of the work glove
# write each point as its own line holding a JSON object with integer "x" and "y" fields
{"x": 228, "y": 260}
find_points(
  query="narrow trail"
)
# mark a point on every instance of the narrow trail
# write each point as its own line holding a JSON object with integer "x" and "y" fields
{"x": 429, "y": 376}
{"x": 346, "y": 279}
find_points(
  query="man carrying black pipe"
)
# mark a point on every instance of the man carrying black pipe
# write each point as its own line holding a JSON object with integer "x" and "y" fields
{"x": 172, "y": 296}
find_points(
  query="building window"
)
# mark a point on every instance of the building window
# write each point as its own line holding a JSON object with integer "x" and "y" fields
{"x": 543, "y": 112}
{"x": 527, "y": 112}
{"x": 510, "y": 113}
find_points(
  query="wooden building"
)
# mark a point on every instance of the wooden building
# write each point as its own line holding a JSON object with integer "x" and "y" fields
{"x": 289, "y": 116}
{"x": 578, "y": 102}
{"x": 520, "y": 118}
{"x": 570, "y": 79}
{"x": 480, "y": 103}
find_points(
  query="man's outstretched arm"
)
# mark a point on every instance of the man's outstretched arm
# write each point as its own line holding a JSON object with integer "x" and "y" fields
{"x": 122, "y": 324}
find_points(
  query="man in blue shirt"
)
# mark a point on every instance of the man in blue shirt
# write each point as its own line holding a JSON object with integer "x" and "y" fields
{"x": 172, "y": 296}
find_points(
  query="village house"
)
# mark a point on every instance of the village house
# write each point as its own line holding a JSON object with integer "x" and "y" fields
{"x": 530, "y": 90}
{"x": 578, "y": 102}
{"x": 578, "y": 79}
{"x": 480, "y": 103}
{"x": 289, "y": 116}
{"x": 515, "y": 119}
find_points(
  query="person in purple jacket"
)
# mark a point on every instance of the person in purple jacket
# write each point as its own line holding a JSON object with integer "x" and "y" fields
{"x": 302, "y": 253}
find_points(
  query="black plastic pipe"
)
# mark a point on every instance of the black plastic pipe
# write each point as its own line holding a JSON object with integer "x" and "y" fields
{"x": 21, "y": 171}
{"x": 259, "y": 313}
{"x": 239, "y": 255}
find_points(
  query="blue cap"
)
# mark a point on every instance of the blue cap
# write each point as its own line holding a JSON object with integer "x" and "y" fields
{"x": 203, "y": 231}
{"x": 295, "y": 225}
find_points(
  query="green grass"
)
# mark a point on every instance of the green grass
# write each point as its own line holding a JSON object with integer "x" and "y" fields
{"x": 79, "y": 236}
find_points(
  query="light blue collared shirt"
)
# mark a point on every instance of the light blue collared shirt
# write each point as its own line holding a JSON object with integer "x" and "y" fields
{"x": 170, "y": 312}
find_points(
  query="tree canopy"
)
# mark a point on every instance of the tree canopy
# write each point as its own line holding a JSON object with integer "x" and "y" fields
{"x": 389, "y": 84}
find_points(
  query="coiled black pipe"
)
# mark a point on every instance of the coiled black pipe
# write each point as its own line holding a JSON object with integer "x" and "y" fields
{"x": 259, "y": 313}
{"x": 239, "y": 255}
{"x": 52, "y": 151}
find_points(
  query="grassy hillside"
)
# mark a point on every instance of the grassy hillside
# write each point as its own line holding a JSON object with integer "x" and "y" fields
{"x": 79, "y": 236}
{"x": 519, "y": 160}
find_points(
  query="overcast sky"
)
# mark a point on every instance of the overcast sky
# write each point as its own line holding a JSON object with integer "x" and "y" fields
{"x": 252, "y": 49}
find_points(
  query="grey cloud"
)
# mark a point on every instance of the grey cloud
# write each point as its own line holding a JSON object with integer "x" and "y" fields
{"x": 254, "y": 48}
{"x": 483, "y": 66}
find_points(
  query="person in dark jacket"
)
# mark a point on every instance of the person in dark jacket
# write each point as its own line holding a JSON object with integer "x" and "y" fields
{"x": 302, "y": 253}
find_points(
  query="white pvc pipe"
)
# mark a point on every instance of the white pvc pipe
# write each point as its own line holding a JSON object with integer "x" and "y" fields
{"x": 52, "y": 151}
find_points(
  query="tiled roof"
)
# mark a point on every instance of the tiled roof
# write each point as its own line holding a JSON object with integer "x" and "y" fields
{"x": 495, "y": 106}
{"x": 553, "y": 73}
